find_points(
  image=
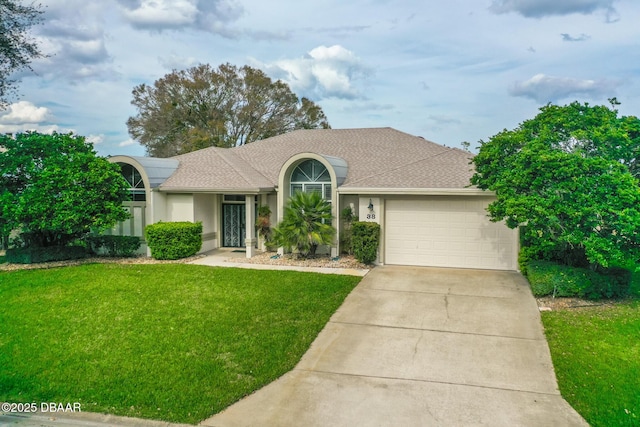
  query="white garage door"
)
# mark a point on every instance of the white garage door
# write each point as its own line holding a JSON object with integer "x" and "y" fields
{"x": 447, "y": 231}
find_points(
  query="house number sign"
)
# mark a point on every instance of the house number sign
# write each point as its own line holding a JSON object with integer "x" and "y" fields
{"x": 372, "y": 212}
{"x": 369, "y": 209}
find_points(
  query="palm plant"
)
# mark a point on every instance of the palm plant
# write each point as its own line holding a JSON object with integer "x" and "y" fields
{"x": 306, "y": 224}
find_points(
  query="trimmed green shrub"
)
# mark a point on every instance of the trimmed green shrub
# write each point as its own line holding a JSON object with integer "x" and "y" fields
{"x": 173, "y": 240}
{"x": 549, "y": 278}
{"x": 51, "y": 253}
{"x": 614, "y": 282}
{"x": 365, "y": 241}
{"x": 114, "y": 246}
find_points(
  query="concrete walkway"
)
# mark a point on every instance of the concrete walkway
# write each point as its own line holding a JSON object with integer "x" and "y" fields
{"x": 420, "y": 347}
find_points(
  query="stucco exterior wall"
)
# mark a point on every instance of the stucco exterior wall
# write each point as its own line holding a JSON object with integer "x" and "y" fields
{"x": 180, "y": 207}
{"x": 156, "y": 207}
{"x": 205, "y": 211}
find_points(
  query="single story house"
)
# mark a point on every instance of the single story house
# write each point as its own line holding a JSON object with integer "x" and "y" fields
{"x": 418, "y": 192}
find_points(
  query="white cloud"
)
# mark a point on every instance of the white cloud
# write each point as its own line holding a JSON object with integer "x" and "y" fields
{"x": 162, "y": 13}
{"x": 85, "y": 51}
{"x": 24, "y": 112}
{"x": 325, "y": 72}
{"x": 35, "y": 127}
{"x": 127, "y": 143}
{"x": 543, "y": 89}
{"x": 542, "y": 8}
{"x": 177, "y": 62}
{"x": 208, "y": 15}
{"x": 95, "y": 139}
{"x": 74, "y": 41}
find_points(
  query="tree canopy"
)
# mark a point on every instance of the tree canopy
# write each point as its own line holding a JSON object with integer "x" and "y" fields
{"x": 54, "y": 189}
{"x": 225, "y": 107}
{"x": 17, "y": 49}
{"x": 570, "y": 177}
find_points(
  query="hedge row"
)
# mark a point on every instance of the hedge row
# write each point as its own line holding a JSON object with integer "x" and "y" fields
{"x": 174, "y": 240}
{"x": 114, "y": 246}
{"x": 53, "y": 253}
{"x": 549, "y": 278}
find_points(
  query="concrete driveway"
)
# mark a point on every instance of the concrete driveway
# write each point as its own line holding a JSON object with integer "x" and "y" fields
{"x": 420, "y": 347}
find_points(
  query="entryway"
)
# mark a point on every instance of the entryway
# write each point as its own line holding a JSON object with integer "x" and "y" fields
{"x": 233, "y": 225}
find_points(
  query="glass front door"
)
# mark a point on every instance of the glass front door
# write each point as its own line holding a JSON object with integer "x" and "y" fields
{"x": 234, "y": 225}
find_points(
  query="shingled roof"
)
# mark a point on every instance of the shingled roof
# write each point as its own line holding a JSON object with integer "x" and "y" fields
{"x": 382, "y": 158}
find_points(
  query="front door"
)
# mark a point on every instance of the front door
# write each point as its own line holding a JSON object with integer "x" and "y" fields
{"x": 233, "y": 225}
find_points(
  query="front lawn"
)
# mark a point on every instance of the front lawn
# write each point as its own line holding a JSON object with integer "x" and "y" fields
{"x": 170, "y": 342}
{"x": 596, "y": 354}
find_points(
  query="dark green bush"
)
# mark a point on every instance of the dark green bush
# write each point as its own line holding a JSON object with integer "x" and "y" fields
{"x": 365, "y": 241}
{"x": 53, "y": 253}
{"x": 114, "y": 246}
{"x": 173, "y": 240}
{"x": 550, "y": 278}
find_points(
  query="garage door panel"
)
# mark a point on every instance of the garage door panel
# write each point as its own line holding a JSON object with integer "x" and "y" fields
{"x": 447, "y": 232}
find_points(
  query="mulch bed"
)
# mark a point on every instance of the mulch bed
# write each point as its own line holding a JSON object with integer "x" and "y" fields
{"x": 271, "y": 258}
{"x": 565, "y": 303}
{"x": 264, "y": 258}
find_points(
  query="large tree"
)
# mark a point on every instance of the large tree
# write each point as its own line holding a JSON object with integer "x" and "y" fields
{"x": 17, "y": 48}
{"x": 570, "y": 177}
{"x": 54, "y": 189}
{"x": 224, "y": 107}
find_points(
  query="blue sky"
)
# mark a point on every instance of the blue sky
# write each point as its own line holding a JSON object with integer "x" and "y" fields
{"x": 454, "y": 71}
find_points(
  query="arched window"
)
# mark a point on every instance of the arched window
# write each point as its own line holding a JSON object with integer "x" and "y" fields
{"x": 136, "y": 184}
{"x": 136, "y": 205}
{"x": 311, "y": 176}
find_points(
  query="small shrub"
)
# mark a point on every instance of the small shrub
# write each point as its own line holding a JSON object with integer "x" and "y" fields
{"x": 173, "y": 240}
{"x": 114, "y": 246}
{"x": 36, "y": 254}
{"x": 549, "y": 278}
{"x": 366, "y": 238}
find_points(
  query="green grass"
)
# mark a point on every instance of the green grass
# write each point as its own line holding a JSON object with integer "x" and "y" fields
{"x": 169, "y": 342}
{"x": 596, "y": 354}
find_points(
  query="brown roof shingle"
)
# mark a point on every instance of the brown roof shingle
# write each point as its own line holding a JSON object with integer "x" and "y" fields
{"x": 376, "y": 158}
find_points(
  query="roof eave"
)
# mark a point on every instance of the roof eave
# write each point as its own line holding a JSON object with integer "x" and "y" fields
{"x": 416, "y": 191}
{"x": 210, "y": 190}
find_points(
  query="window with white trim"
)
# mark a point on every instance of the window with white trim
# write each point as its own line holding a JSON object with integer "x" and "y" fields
{"x": 311, "y": 176}
{"x": 136, "y": 184}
